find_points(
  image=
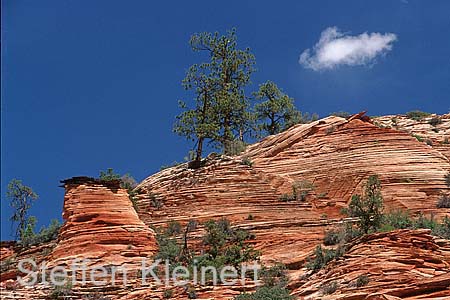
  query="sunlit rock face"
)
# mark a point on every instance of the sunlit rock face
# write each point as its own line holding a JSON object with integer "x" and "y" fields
{"x": 101, "y": 224}
{"x": 328, "y": 160}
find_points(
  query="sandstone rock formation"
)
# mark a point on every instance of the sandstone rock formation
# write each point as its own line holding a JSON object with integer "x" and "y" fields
{"x": 326, "y": 161}
{"x": 403, "y": 264}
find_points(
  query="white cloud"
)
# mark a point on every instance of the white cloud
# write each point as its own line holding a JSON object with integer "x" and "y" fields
{"x": 336, "y": 48}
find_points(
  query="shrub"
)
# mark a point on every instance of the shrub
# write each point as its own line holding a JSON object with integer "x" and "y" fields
{"x": 300, "y": 189}
{"x": 435, "y": 121}
{"x": 266, "y": 293}
{"x": 362, "y": 280}
{"x": 235, "y": 147}
{"x": 429, "y": 142}
{"x": 369, "y": 207}
{"x": 168, "y": 294}
{"x": 61, "y": 291}
{"x": 154, "y": 201}
{"x": 227, "y": 245}
{"x": 447, "y": 179}
{"x": 109, "y": 175}
{"x": 397, "y": 219}
{"x": 329, "y": 287}
{"x": 417, "y": 115}
{"x": 418, "y": 137}
{"x": 45, "y": 235}
{"x": 342, "y": 114}
{"x": 287, "y": 198}
{"x": 445, "y": 141}
{"x": 331, "y": 238}
{"x": 424, "y": 222}
{"x": 274, "y": 276}
{"x": 443, "y": 229}
{"x": 321, "y": 258}
{"x": 246, "y": 161}
{"x": 444, "y": 202}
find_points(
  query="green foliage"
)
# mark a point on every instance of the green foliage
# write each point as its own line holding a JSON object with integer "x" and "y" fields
{"x": 247, "y": 161}
{"x": 444, "y": 201}
{"x": 274, "y": 276}
{"x": 154, "y": 201}
{"x": 234, "y": 147}
{"x": 329, "y": 287}
{"x": 322, "y": 257}
{"x": 46, "y": 234}
{"x": 228, "y": 245}
{"x": 266, "y": 293}
{"x": 275, "y": 111}
{"x": 224, "y": 245}
{"x": 417, "y": 115}
{"x": 287, "y": 197}
{"x": 169, "y": 249}
{"x": 300, "y": 189}
{"x": 129, "y": 183}
{"x": 443, "y": 229}
{"x": 342, "y": 114}
{"x": 332, "y": 237}
{"x": 362, "y": 280}
{"x": 21, "y": 198}
{"x": 396, "y": 219}
{"x": 168, "y": 294}
{"x": 369, "y": 207}
{"x": 63, "y": 291}
{"x": 418, "y": 137}
{"x": 447, "y": 179}
{"x": 109, "y": 175}
{"x": 425, "y": 223}
{"x": 435, "y": 121}
{"x": 220, "y": 111}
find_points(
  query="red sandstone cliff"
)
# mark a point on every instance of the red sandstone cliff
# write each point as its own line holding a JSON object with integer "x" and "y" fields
{"x": 335, "y": 155}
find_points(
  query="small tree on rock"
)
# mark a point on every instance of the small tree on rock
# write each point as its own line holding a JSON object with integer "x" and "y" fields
{"x": 21, "y": 198}
{"x": 276, "y": 112}
{"x": 368, "y": 207}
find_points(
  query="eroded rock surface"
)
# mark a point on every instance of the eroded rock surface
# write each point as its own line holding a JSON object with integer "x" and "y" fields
{"x": 328, "y": 161}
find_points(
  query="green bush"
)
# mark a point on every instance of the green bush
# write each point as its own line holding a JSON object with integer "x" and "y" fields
{"x": 435, "y": 121}
{"x": 422, "y": 222}
{"x": 246, "y": 161}
{"x": 266, "y": 293}
{"x": 274, "y": 276}
{"x": 443, "y": 229}
{"x": 45, "y": 235}
{"x": 417, "y": 115}
{"x": 342, "y": 114}
{"x": 369, "y": 207}
{"x": 396, "y": 219}
{"x": 61, "y": 291}
{"x": 447, "y": 179}
{"x": 362, "y": 280}
{"x": 235, "y": 147}
{"x": 418, "y": 137}
{"x": 109, "y": 175}
{"x": 287, "y": 198}
{"x": 321, "y": 258}
{"x": 444, "y": 202}
{"x": 329, "y": 288}
{"x": 331, "y": 238}
{"x": 168, "y": 294}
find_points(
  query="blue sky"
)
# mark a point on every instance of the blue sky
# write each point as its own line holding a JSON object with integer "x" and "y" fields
{"x": 88, "y": 85}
